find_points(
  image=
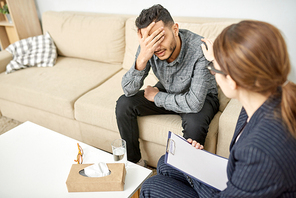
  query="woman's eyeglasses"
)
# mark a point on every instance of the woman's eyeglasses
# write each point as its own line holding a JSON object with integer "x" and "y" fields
{"x": 214, "y": 71}
{"x": 79, "y": 159}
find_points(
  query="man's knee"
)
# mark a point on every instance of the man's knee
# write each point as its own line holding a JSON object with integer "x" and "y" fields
{"x": 122, "y": 105}
{"x": 193, "y": 123}
{"x": 195, "y": 128}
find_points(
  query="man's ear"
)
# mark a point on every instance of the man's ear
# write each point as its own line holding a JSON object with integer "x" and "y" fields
{"x": 232, "y": 84}
{"x": 175, "y": 29}
{"x": 140, "y": 33}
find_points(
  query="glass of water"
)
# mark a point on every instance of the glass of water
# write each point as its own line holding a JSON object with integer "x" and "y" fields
{"x": 119, "y": 151}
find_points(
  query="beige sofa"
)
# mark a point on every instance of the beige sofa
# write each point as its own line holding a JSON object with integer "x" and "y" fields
{"x": 77, "y": 96}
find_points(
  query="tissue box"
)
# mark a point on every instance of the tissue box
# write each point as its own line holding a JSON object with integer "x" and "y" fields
{"x": 112, "y": 182}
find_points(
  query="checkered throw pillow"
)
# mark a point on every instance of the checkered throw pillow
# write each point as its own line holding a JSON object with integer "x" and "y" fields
{"x": 37, "y": 51}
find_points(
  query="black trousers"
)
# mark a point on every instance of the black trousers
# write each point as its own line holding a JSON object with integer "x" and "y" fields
{"x": 195, "y": 125}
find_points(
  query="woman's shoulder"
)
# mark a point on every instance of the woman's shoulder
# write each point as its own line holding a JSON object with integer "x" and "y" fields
{"x": 270, "y": 130}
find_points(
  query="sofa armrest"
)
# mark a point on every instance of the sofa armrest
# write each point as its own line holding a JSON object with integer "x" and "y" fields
{"x": 5, "y": 58}
{"x": 227, "y": 123}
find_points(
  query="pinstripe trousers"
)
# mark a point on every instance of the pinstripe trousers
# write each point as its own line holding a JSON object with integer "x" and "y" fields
{"x": 173, "y": 184}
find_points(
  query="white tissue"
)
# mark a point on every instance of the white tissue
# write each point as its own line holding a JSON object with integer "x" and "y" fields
{"x": 97, "y": 170}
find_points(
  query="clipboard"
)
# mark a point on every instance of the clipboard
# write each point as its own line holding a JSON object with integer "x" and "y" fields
{"x": 202, "y": 165}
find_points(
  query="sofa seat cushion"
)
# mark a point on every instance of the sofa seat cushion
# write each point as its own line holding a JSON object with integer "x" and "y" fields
{"x": 97, "y": 107}
{"x": 55, "y": 89}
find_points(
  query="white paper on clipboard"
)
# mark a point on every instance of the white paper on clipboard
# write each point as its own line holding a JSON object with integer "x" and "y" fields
{"x": 199, "y": 164}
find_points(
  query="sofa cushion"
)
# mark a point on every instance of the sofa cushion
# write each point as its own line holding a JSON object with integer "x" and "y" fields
{"x": 227, "y": 124}
{"x": 132, "y": 43}
{"x": 86, "y": 35}
{"x": 55, "y": 89}
{"x": 37, "y": 51}
{"x": 207, "y": 30}
{"x": 97, "y": 107}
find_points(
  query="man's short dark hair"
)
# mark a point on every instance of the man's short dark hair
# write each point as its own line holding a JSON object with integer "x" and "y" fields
{"x": 155, "y": 13}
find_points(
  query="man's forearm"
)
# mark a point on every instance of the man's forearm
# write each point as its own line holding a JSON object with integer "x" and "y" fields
{"x": 132, "y": 81}
{"x": 140, "y": 63}
{"x": 179, "y": 103}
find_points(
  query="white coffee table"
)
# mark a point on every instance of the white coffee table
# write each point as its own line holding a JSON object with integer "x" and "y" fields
{"x": 35, "y": 162}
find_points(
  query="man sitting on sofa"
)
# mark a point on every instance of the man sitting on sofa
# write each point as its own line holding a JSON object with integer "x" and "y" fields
{"x": 185, "y": 85}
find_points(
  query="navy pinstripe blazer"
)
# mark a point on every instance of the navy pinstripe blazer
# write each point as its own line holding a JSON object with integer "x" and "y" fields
{"x": 262, "y": 163}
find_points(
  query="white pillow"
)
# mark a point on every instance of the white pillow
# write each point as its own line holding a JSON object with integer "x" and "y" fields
{"x": 37, "y": 51}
